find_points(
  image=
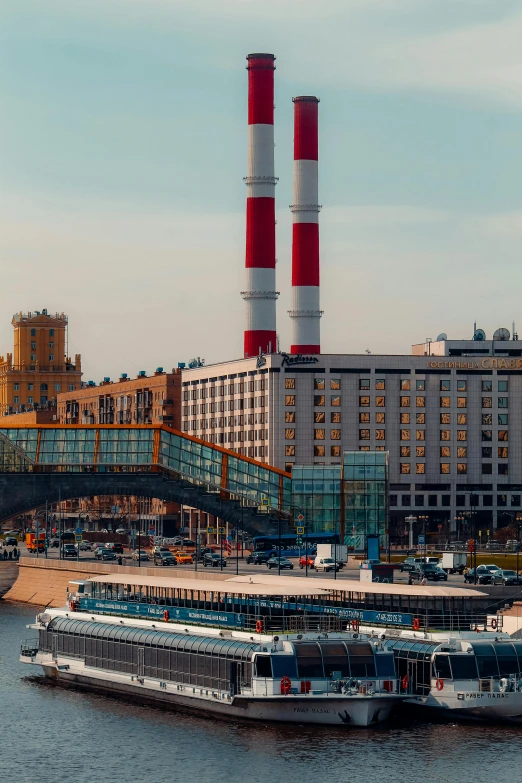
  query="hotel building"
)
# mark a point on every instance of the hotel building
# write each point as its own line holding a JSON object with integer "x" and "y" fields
{"x": 449, "y": 414}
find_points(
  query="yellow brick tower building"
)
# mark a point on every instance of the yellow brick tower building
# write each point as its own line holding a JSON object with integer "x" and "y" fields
{"x": 38, "y": 369}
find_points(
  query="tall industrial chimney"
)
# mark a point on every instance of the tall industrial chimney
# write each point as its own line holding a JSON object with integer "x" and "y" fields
{"x": 305, "y": 315}
{"x": 260, "y": 296}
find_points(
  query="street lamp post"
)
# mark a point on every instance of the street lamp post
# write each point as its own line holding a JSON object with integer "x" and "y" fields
{"x": 423, "y": 518}
{"x": 410, "y": 520}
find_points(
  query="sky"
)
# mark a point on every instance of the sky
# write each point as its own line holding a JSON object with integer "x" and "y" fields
{"x": 123, "y": 151}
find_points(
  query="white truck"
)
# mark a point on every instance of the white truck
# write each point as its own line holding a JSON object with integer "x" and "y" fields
{"x": 454, "y": 562}
{"x": 338, "y": 552}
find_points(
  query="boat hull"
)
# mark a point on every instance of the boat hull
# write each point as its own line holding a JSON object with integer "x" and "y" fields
{"x": 357, "y": 710}
{"x": 475, "y": 707}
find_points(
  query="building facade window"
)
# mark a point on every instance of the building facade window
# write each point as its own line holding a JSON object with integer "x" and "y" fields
{"x": 445, "y": 434}
{"x": 502, "y": 452}
{"x": 445, "y": 451}
{"x": 445, "y": 384}
{"x": 462, "y": 434}
{"x": 445, "y": 402}
{"x": 405, "y": 418}
{"x": 319, "y": 400}
{"x": 364, "y": 402}
{"x": 289, "y": 434}
{"x": 405, "y": 468}
{"x": 364, "y": 418}
{"x": 405, "y": 402}
{"x": 503, "y": 435}
{"x": 335, "y": 384}
{"x": 289, "y": 383}
{"x": 335, "y": 434}
{"x": 319, "y": 451}
{"x": 319, "y": 417}
{"x": 486, "y": 435}
{"x": 445, "y": 468}
{"x": 487, "y": 452}
{"x": 380, "y": 418}
{"x": 364, "y": 384}
{"x": 319, "y": 384}
{"x": 289, "y": 451}
{"x": 420, "y": 418}
{"x": 462, "y": 418}
{"x": 380, "y": 384}
{"x": 335, "y": 401}
{"x": 445, "y": 418}
{"x": 420, "y": 385}
{"x": 487, "y": 468}
{"x": 502, "y": 419}
{"x": 420, "y": 402}
{"x": 487, "y": 419}
{"x": 461, "y": 402}
{"x": 379, "y": 434}
{"x": 405, "y": 434}
{"x": 289, "y": 417}
{"x": 487, "y": 402}
{"x": 503, "y": 402}
{"x": 335, "y": 417}
{"x": 380, "y": 402}
{"x": 419, "y": 434}
{"x": 462, "y": 468}
{"x": 405, "y": 385}
{"x": 420, "y": 451}
{"x": 335, "y": 451}
{"x": 461, "y": 386}
{"x": 405, "y": 451}
{"x": 487, "y": 386}
{"x": 364, "y": 434}
{"x": 462, "y": 452}
{"x": 420, "y": 467}
{"x": 319, "y": 434}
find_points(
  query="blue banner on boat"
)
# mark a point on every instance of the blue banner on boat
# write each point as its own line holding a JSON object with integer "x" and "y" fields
{"x": 368, "y": 617}
{"x": 153, "y": 610}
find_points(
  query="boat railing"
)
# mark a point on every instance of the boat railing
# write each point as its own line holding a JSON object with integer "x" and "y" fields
{"x": 453, "y": 621}
{"x": 29, "y": 648}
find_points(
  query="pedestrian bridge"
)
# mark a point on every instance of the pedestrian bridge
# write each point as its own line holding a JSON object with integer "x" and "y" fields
{"x": 56, "y": 462}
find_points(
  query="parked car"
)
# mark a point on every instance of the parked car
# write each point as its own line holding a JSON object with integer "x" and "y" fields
{"x": 494, "y": 546}
{"x": 165, "y": 558}
{"x": 279, "y": 562}
{"x": 306, "y": 560}
{"x": 513, "y": 545}
{"x": 484, "y": 575}
{"x": 457, "y": 546}
{"x": 157, "y": 548}
{"x": 108, "y": 554}
{"x": 188, "y": 542}
{"x": 54, "y": 542}
{"x": 70, "y": 550}
{"x": 140, "y": 554}
{"x": 411, "y": 563}
{"x": 258, "y": 558}
{"x": 505, "y": 577}
{"x": 214, "y": 559}
{"x": 183, "y": 557}
{"x": 202, "y": 552}
{"x": 10, "y": 541}
{"x": 429, "y": 571}
{"x": 325, "y": 564}
{"x": 85, "y": 546}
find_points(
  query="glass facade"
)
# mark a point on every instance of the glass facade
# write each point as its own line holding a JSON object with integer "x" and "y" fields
{"x": 349, "y": 499}
{"x": 317, "y": 492}
{"x": 365, "y": 475}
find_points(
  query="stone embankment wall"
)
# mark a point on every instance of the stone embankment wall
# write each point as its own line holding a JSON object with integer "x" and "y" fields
{"x": 44, "y": 582}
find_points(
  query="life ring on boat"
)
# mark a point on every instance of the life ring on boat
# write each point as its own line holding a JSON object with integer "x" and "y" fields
{"x": 416, "y": 624}
{"x": 286, "y": 684}
{"x": 355, "y": 625}
{"x": 494, "y": 623}
{"x": 72, "y": 605}
{"x": 404, "y": 682}
{"x": 259, "y": 626}
{"x": 166, "y": 615}
{"x": 439, "y": 685}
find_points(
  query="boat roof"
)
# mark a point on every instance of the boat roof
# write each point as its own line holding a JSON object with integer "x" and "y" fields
{"x": 351, "y": 586}
{"x": 296, "y": 587}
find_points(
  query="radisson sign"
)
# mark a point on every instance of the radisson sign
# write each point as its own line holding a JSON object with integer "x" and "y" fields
{"x": 488, "y": 363}
{"x": 297, "y": 358}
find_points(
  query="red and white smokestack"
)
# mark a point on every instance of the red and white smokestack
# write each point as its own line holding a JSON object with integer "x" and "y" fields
{"x": 260, "y": 296}
{"x": 305, "y": 315}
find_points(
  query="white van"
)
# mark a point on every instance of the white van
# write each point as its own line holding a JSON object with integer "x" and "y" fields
{"x": 325, "y": 564}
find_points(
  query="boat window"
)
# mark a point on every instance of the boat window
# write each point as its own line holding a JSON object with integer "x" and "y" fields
{"x": 464, "y": 667}
{"x": 442, "y": 667}
{"x": 309, "y": 660}
{"x": 385, "y": 665}
{"x": 507, "y": 659}
{"x": 486, "y": 659}
{"x": 362, "y": 662}
{"x": 335, "y": 658}
{"x": 284, "y": 666}
{"x": 263, "y": 666}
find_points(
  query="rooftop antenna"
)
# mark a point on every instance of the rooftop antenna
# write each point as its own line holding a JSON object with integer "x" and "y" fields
{"x": 515, "y": 333}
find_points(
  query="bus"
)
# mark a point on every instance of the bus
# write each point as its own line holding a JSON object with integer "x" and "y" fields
{"x": 289, "y": 545}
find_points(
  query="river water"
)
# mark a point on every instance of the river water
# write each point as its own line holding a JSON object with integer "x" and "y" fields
{"x": 52, "y": 735}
